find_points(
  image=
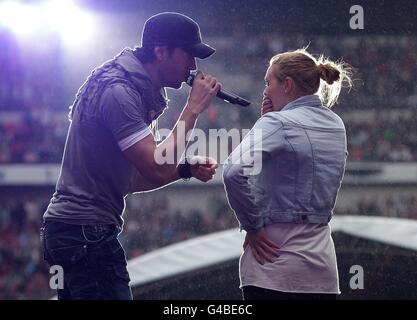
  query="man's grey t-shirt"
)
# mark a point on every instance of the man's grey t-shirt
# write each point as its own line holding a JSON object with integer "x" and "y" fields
{"x": 95, "y": 175}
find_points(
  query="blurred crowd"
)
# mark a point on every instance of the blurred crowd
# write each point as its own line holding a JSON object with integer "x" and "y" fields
{"x": 384, "y": 206}
{"x": 33, "y": 119}
{"x": 379, "y": 137}
{"x": 380, "y": 114}
{"x": 385, "y": 67}
{"x": 33, "y": 138}
{"x": 25, "y": 275}
{"x": 31, "y": 77}
{"x": 383, "y": 137}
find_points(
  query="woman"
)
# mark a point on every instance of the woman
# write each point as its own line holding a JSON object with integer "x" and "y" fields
{"x": 285, "y": 207}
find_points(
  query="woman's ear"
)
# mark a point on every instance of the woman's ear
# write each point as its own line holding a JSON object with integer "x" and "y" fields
{"x": 289, "y": 85}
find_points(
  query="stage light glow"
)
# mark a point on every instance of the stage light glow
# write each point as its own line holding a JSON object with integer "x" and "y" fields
{"x": 61, "y": 16}
{"x": 19, "y": 18}
{"x": 74, "y": 25}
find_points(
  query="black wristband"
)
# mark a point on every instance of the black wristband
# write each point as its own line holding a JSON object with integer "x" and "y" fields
{"x": 184, "y": 170}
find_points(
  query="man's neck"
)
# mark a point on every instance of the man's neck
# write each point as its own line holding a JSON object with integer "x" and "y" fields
{"x": 152, "y": 71}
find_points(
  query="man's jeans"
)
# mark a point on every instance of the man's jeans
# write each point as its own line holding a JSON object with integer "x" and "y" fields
{"x": 92, "y": 259}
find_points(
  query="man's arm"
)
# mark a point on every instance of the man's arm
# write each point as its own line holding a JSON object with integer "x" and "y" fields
{"x": 142, "y": 154}
{"x": 202, "y": 168}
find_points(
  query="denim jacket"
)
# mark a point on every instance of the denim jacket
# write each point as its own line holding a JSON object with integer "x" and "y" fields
{"x": 289, "y": 167}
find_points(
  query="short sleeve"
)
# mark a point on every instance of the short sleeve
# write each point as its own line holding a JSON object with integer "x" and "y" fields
{"x": 123, "y": 112}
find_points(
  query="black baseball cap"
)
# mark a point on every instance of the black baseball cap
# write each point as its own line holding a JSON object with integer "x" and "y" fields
{"x": 175, "y": 29}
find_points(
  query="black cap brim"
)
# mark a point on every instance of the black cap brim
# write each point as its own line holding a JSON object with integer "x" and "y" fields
{"x": 200, "y": 50}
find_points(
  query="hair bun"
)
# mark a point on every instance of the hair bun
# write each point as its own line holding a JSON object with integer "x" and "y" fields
{"x": 328, "y": 73}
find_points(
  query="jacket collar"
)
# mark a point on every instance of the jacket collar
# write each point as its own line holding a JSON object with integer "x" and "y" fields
{"x": 304, "y": 101}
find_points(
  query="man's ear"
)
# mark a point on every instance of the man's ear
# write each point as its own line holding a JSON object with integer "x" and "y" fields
{"x": 161, "y": 52}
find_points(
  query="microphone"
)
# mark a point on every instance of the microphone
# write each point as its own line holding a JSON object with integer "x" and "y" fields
{"x": 223, "y": 94}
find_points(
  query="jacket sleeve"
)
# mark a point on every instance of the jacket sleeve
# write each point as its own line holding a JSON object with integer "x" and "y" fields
{"x": 242, "y": 168}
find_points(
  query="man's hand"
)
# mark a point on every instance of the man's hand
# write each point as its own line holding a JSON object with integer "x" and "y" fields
{"x": 266, "y": 106}
{"x": 202, "y": 93}
{"x": 203, "y": 168}
{"x": 263, "y": 249}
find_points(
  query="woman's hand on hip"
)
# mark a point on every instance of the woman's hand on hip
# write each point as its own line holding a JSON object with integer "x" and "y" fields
{"x": 263, "y": 248}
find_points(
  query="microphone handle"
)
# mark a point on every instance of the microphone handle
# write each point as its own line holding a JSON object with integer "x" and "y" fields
{"x": 232, "y": 98}
{"x": 223, "y": 94}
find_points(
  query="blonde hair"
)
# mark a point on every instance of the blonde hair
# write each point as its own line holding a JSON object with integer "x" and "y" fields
{"x": 306, "y": 71}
